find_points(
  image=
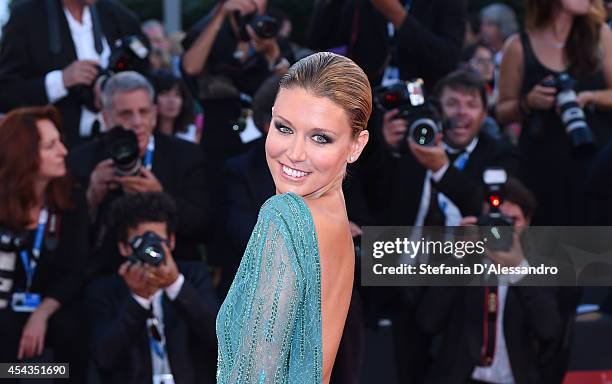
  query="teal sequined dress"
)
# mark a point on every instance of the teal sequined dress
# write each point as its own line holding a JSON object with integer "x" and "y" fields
{"x": 269, "y": 326}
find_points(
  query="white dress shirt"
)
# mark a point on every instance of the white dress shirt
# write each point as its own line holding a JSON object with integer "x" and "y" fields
{"x": 84, "y": 44}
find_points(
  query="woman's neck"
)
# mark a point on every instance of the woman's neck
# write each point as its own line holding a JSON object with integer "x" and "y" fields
{"x": 561, "y": 25}
{"x": 166, "y": 126}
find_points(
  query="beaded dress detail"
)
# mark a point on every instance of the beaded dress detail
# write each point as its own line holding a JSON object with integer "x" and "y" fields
{"x": 269, "y": 327}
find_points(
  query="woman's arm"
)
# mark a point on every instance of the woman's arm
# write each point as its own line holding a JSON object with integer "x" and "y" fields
{"x": 601, "y": 99}
{"x": 510, "y": 80}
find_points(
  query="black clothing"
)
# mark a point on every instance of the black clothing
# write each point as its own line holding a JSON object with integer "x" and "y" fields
{"x": 60, "y": 275}
{"x": 180, "y": 168}
{"x": 387, "y": 190}
{"x": 25, "y": 56}
{"x": 548, "y": 166}
{"x": 119, "y": 341}
{"x": 532, "y": 319}
{"x": 428, "y": 42}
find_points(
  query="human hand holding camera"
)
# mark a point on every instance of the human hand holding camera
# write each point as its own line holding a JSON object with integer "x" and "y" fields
{"x": 80, "y": 72}
{"x": 541, "y": 96}
{"x": 430, "y": 157}
{"x": 145, "y": 182}
{"x": 394, "y": 128}
{"x": 166, "y": 273}
{"x": 135, "y": 275}
{"x": 101, "y": 181}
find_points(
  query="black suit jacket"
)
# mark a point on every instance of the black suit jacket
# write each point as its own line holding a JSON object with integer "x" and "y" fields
{"x": 179, "y": 166}
{"x": 428, "y": 42}
{"x": 533, "y": 320}
{"x": 25, "y": 56}
{"x": 387, "y": 189}
{"x": 119, "y": 342}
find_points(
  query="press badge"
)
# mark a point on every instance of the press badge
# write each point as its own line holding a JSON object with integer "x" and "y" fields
{"x": 163, "y": 378}
{"x": 25, "y": 301}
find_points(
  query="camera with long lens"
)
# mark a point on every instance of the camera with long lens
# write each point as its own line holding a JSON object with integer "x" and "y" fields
{"x": 148, "y": 249}
{"x": 573, "y": 117}
{"x": 129, "y": 53}
{"x": 265, "y": 26}
{"x": 497, "y": 228}
{"x": 122, "y": 147}
{"x": 422, "y": 115}
{"x": 12, "y": 241}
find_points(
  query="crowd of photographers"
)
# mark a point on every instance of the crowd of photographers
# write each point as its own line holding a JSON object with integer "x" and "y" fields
{"x": 116, "y": 262}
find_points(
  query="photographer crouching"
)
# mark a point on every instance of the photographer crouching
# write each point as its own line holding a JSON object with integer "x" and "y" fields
{"x": 154, "y": 321}
{"x": 130, "y": 159}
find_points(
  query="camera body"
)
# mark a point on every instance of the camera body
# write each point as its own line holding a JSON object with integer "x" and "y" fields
{"x": 13, "y": 241}
{"x": 422, "y": 116}
{"x": 122, "y": 147}
{"x": 265, "y": 26}
{"x": 572, "y": 116}
{"x": 497, "y": 228}
{"x": 148, "y": 249}
{"x": 129, "y": 53}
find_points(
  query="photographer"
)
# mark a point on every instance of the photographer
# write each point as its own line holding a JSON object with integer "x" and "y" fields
{"x": 426, "y": 40}
{"x": 52, "y": 49}
{"x": 519, "y": 341}
{"x": 404, "y": 180}
{"x": 155, "y": 320}
{"x": 556, "y": 78}
{"x": 227, "y": 55}
{"x": 159, "y": 163}
{"x": 43, "y": 243}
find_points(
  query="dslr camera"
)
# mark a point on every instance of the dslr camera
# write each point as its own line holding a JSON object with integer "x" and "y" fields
{"x": 265, "y": 26}
{"x": 122, "y": 146}
{"x": 422, "y": 116}
{"x": 12, "y": 241}
{"x": 573, "y": 117}
{"x": 129, "y": 53}
{"x": 148, "y": 249}
{"x": 497, "y": 228}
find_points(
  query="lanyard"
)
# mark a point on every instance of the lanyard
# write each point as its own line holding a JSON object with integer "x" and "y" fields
{"x": 148, "y": 159}
{"x": 29, "y": 265}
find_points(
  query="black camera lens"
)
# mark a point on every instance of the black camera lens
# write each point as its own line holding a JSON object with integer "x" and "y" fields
{"x": 148, "y": 249}
{"x": 265, "y": 27}
{"x": 122, "y": 147}
{"x": 423, "y": 131}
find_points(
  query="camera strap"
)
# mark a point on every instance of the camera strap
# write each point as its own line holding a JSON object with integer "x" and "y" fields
{"x": 30, "y": 264}
{"x": 489, "y": 326}
{"x": 148, "y": 159}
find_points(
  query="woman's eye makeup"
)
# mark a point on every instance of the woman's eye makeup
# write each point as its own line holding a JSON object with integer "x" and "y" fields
{"x": 318, "y": 138}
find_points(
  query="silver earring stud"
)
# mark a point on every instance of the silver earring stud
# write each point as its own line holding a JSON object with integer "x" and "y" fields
{"x": 352, "y": 159}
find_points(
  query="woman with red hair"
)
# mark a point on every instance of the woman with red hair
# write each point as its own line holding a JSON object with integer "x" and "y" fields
{"x": 43, "y": 241}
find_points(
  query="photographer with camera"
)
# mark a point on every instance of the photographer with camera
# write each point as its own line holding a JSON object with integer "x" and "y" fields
{"x": 155, "y": 320}
{"x": 430, "y": 169}
{"x": 556, "y": 78}
{"x": 228, "y": 55}
{"x": 43, "y": 243}
{"x": 53, "y": 50}
{"x": 130, "y": 158}
{"x": 524, "y": 330}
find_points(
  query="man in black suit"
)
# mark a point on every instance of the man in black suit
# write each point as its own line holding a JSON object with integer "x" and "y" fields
{"x": 521, "y": 337}
{"x": 435, "y": 185}
{"x": 402, "y": 188}
{"x": 169, "y": 164}
{"x": 426, "y": 40}
{"x": 152, "y": 323}
{"x": 51, "y": 49}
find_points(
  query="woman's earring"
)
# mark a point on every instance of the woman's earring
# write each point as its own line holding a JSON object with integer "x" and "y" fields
{"x": 351, "y": 159}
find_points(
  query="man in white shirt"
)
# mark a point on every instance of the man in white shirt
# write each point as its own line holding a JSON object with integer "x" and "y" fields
{"x": 54, "y": 49}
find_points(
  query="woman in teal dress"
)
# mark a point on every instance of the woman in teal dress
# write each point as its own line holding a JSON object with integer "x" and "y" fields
{"x": 283, "y": 317}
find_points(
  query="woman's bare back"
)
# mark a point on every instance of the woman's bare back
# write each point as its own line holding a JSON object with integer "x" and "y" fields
{"x": 337, "y": 257}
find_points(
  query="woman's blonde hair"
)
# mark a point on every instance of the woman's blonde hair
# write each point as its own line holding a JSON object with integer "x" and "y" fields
{"x": 336, "y": 78}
